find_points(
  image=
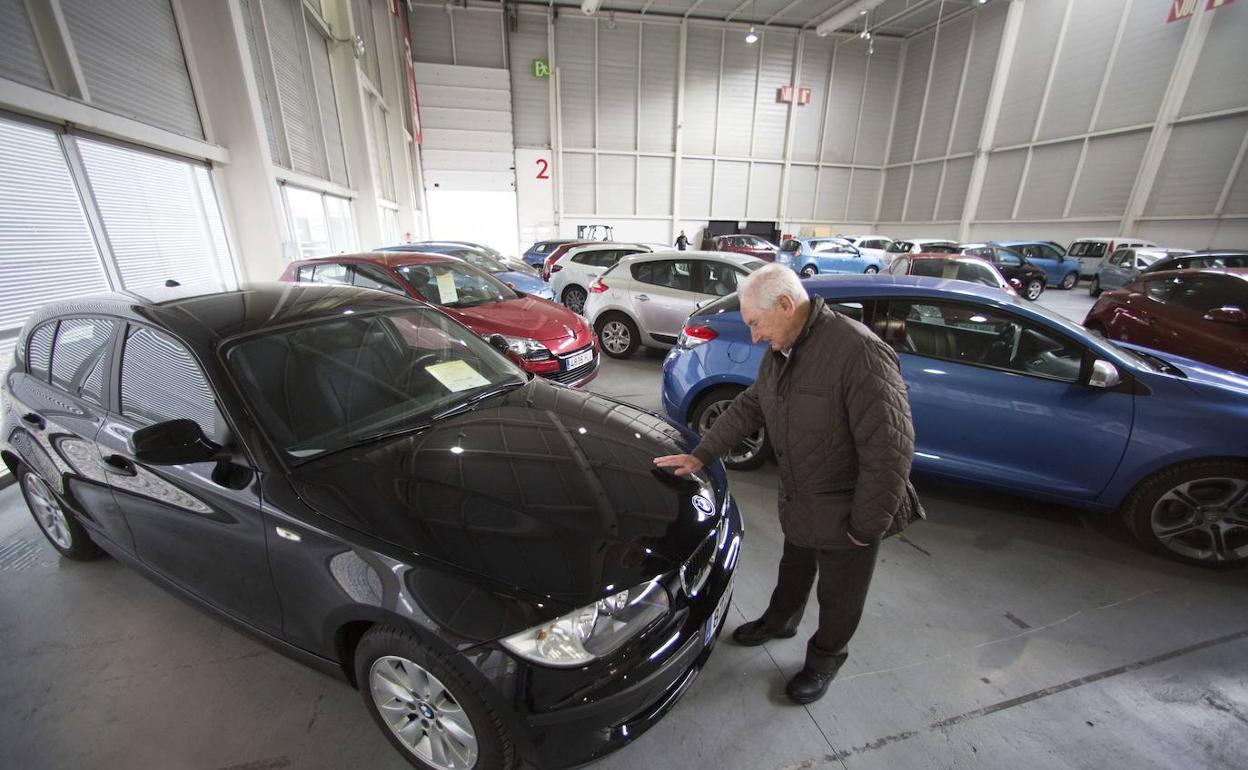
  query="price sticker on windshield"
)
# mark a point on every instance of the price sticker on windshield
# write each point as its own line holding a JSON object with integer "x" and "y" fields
{"x": 446, "y": 288}
{"x": 457, "y": 375}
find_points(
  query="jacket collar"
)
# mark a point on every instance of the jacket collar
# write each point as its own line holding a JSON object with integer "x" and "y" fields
{"x": 816, "y": 311}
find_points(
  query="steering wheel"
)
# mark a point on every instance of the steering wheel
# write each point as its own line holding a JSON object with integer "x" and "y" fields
{"x": 416, "y": 365}
{"x": 1001, "y": 350}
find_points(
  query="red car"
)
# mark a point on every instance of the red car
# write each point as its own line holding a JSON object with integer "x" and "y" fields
{"x": 957, "y": 267}
{"x": 542, "y": 337}
{"x": 558, "y": 252}
{"x": 1198, "y": 314}
{"x": 747, "y": 244}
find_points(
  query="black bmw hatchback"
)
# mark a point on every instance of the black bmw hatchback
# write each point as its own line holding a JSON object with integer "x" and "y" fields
{"x": 492, "y": 560}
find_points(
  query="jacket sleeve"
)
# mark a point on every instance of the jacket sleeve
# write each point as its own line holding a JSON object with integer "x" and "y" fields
{"x": 743, "y": 417}
{"x": 878, "y": 414}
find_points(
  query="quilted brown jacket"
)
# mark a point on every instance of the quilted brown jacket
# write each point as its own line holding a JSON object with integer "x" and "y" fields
{"x": 836, "y": 412}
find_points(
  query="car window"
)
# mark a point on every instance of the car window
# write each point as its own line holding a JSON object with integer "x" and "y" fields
{"x": 161, "y": 381}
{"x": 941, "y": 248}
{"x": 717, "y": 278}
{"x": 81, "y": 344}
{"x": 790, "y": 245}
{"x": 899, "y": 266}
{"x": 871, "y": 245}
{"x": 969, "y": 271}
{"x": 1160, "y": 289}
{"x": 455, "y": 284}
{"x": 373, "y": 277}
{"x": 852, "y": 309}
{"x": 1121, "y": 258}
{"x": 1198, "y": 293}
{"x": 979, "y": 336}
{"x": 673, "y": 274}
{"x": 900, "y": 247}
{"x": 39, "y": 350}
{"x": 333, "y": 383}
{"x": 332, "y": 273}
{"x": 933, "y": 268}
{"x": 1008, "y": 259}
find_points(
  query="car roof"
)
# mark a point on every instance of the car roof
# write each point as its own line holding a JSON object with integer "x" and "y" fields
{"x": 1160, "y": 253}
{"x": 946, "y": 257}
{"x": 396, "y": 258}
{"x": 1233, "y": 272}
{"x": 884, "y": 284}
{"x": 721, "y": 256}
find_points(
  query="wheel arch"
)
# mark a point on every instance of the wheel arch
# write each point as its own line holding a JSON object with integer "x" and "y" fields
{"x": 1120, "y": 490}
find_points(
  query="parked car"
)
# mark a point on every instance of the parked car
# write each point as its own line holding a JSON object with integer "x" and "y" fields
{"x": 580, "y": 266}
{"x": 810, "y": 256}
{"x": 1199, "y": 314}
{"x": 1199, "y": 259}
{"x": 536, "y": 253}
{"x": 952, "y": 267}
{"x": 1026, "y": 277}
{"x": 645, "y": 298}
{"x": 750, "y": 245}
{"x": 522, "y": 281}
{"x": 451, "y": 247}
{"x": 872, "y": 246}
{"x": 1009, "y": 395}
{"x": 1090, "y": 251}
{"x": 1051, "y": 258}
{"x": 345, "y": 474}
{"x": 923, "y": 246}
{"x": 558, "y": 252}
{"x": 1124, "y": 266}
{"x": 543, "y": 337}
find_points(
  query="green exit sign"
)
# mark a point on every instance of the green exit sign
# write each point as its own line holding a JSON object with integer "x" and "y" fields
{"x": 541, "y": 68}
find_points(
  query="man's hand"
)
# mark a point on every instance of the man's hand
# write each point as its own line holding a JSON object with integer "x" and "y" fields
{"x": 681, "y": 465}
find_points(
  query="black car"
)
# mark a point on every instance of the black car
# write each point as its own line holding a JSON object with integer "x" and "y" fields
{"x": 365, "y": 484}
{"x": 1200, "y": 259}
{"x": 1026, "y": 278}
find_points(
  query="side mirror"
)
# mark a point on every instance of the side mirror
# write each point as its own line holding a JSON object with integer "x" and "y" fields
{"x": 1104, "y": 375}
{"x": 499, "y": 343}
{"x": 176, "y": 442}
{"x": 1228, "y": 315}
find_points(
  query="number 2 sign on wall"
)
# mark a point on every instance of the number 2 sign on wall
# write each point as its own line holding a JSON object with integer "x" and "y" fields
{"x": 543, "y": 168}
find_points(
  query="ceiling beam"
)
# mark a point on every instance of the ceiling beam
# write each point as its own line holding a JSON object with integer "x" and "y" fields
{"x": 738, "y": 9}
{"x": 783, "y": 11}
{"x": 693, "y": 8}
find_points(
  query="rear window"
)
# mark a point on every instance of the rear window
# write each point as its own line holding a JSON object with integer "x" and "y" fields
{"x": 900, "y": 247}
{"x": 1087, "y": 249}
{"x": 933, "y": 268}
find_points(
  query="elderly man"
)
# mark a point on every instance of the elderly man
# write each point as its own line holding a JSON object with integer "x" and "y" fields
{"x": 831, "y": 398}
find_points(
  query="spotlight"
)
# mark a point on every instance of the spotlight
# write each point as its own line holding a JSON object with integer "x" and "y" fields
{"x": 751, "y": 36}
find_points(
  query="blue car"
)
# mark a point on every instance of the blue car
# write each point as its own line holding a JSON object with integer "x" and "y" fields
{"x": 1049, "y": 257}
{"x": 521, "y": 281}
{"x": 538, "y": 252}
{"x": 1009, "y": 395}
{"x": 811, "y": 256}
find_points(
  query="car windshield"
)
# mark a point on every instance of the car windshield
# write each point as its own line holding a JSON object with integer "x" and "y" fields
{"x": 327, "y": 385}
{"x": 455, "y": 284}
{"x": 900, "y": 247}
{"x": 753, "y": 265}
{"x": 480, "y": 259}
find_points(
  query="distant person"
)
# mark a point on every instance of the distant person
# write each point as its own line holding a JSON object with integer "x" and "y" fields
{"x": 682, "y": 242}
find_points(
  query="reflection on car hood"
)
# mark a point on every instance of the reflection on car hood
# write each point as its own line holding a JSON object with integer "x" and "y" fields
{"x": 523, "y": 317}
{"x": 546, "y": 489}
{"x": 1207, "y": 378}
{"x": 525, "y": 282}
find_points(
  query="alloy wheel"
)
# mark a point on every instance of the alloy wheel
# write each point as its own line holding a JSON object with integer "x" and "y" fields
{"x": 1034, "y": 288}
{"x": 741, "y": 453}
{"x": 574, "y": 300}
{"x": 808, "y": 271}
{"x": 48, "y": 511}
{"x": 872, "y": 270}
{"x": 423, "y": 714}
{"x": 615, "y": 336}
{"x": 1204, "y": 519}
{"x": 1070, "y": 280}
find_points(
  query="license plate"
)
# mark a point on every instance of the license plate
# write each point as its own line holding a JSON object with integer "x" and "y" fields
{"x": 720, "y": 610}
{"x": 580, "y": 359}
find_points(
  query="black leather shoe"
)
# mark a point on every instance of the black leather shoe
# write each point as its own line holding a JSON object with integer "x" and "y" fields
{"x": 756, "y": 632}
{"x": 808, "y": 685}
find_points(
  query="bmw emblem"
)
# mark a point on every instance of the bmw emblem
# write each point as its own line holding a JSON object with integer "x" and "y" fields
{"x": 703, "y": 505}
{"x": 426, "y": 712}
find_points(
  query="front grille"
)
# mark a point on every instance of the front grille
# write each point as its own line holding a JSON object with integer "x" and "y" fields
{"x": 574, "y": 375}
{"x": 695, "y": 571}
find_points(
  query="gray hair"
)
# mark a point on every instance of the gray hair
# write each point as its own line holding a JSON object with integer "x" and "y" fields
{"x": 769, "y": 283}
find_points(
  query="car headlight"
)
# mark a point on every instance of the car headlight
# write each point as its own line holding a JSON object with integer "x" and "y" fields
{"x": 527, "y": 348}
{"x": 594, "y": 631}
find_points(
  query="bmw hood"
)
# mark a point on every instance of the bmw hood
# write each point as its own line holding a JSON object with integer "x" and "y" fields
{"x": 546, "y": 489}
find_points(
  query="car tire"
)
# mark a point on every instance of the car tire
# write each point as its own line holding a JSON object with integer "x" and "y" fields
{"x": 618, "y": 335}
{"x": 1094, "y": 288}
{"x": 1033, "y": 289}
{"x": 709, "y": 407}
{"x": 574, "y": 299}
{"x": 423, "y": 705}
{"x": 1070, "y": 281}
{"x": 55, "y": 520}
{"x": 872, "y": 270}
{"x": 1176, "y": 512}
{"x": 808, "y": 271}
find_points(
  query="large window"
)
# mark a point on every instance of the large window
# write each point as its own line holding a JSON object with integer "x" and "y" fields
{"x": 320, "y": 223}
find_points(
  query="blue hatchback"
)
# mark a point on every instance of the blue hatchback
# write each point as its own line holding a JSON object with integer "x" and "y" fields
{"x": 1010, "y": 395}
{"x": 527, "y": 283}
{"x": 811, "y": 256}
{"x": 1049, "y": 257}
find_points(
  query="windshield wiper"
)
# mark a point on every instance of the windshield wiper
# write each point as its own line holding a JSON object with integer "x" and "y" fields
{"x": 472, "y": 401}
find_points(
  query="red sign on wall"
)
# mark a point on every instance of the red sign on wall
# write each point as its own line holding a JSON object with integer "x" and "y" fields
{"x": 1181, "y": 10}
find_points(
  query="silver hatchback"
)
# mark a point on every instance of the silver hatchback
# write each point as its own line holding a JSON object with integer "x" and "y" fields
{"x": 646, "y": 298}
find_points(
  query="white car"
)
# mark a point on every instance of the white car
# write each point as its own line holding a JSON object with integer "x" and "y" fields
{"x": 923, "y": 246}
{"x": 646, "y": 298}
{"x": 1092, "y": 251}
{"x": 572, "y": 274}
{"x": 872, "y": 246}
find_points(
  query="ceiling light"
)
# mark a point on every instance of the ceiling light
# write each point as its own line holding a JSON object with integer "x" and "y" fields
{"x": 751, "y": 36}
{"x": 865, "y": 35}
{"x": 590, "y": 7}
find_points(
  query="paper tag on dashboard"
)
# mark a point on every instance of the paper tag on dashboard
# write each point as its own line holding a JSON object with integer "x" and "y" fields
{"x": 457, "y": 375}
{"x": 446, "y": 288}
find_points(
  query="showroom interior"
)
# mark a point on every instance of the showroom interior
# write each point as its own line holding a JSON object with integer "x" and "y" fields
{"x": 162, "y": 148}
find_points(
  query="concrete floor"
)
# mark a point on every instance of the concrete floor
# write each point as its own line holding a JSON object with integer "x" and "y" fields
{"x": 998, "y": 633}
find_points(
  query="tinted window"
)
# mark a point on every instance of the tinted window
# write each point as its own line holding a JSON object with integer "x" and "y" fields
{"x": 332, "y": 273}
{"x": 979, "y": 336}
{"x": 851, "y": 309}
{"x": 1087, "y": 249}
{"x": 716, "y": 278}
{"x": 1160, "y": 290}
{"x": 80, "y": 343}
{"x": 969, "y": 271}
{"x": 1121, "y": 257}
{"x": 161, "y": 381}
{"x": 900, "y": 247}
{"x": 932, "y": 268}
{"x": 373, "y": 277}
{"x": 673, "y": 274}
{"x": 790, "y": 246}
{"x": 1199, "y": 294}
{"x": 1008, "y": 259}
{"x": 39, "y": 351}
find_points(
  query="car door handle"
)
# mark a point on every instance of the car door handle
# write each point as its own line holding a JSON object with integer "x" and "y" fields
{"x": 642, "y": 298}
{"x": 120, "y": 466}
{"x": 30, "y": 418}
{"x": 593, "y": 275}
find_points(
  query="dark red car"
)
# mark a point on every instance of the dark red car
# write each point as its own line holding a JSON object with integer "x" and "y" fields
{"x": 1199, "y": 314}
{"x": 747, "y": 244}
{"x": 558, "y": 252}
{"x": 542, "y": 337}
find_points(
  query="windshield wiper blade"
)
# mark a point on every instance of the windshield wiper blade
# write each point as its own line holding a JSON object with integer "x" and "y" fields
{"x": 478, "y": 398}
